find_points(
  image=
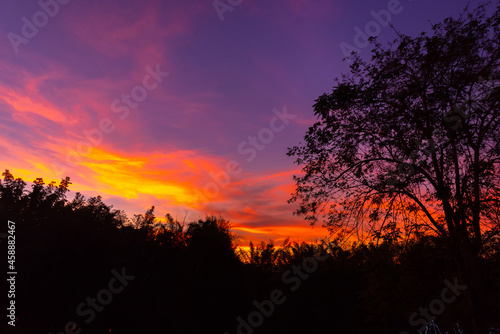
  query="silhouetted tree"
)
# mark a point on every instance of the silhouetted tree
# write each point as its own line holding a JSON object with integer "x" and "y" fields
{"x": 412, "y": 137}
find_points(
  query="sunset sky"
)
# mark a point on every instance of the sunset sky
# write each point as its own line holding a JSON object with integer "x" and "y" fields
{"x": 185, "y": 105}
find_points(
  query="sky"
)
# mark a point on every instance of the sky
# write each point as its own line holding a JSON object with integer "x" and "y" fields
{"x": 187, "y": 105}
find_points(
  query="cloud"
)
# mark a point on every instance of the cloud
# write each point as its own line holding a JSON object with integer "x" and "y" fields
{"x": 257, "y": 207}
{"x": 62, "y": 84}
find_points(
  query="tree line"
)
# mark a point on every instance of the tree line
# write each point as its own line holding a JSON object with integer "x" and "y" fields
{"x": 192, "y": 278}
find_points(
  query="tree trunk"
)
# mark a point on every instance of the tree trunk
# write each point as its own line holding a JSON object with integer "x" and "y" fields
{"x": 470, "y": 274}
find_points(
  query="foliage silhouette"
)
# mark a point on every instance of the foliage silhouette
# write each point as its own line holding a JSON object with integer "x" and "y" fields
{"x": 410, "y": 140}
{"x": 192, "y": 278}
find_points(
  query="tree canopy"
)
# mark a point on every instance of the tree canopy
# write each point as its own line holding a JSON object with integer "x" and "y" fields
{"x": 411, "y": 135}
{"x": 408, "y": 143}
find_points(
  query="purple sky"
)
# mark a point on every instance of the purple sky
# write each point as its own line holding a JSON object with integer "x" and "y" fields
{"x": 227, "y": 80}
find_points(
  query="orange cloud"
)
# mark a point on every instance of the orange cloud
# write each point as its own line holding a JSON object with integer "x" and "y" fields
{"x": 25, "y": 104}
{"x": 256, "y": 206}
